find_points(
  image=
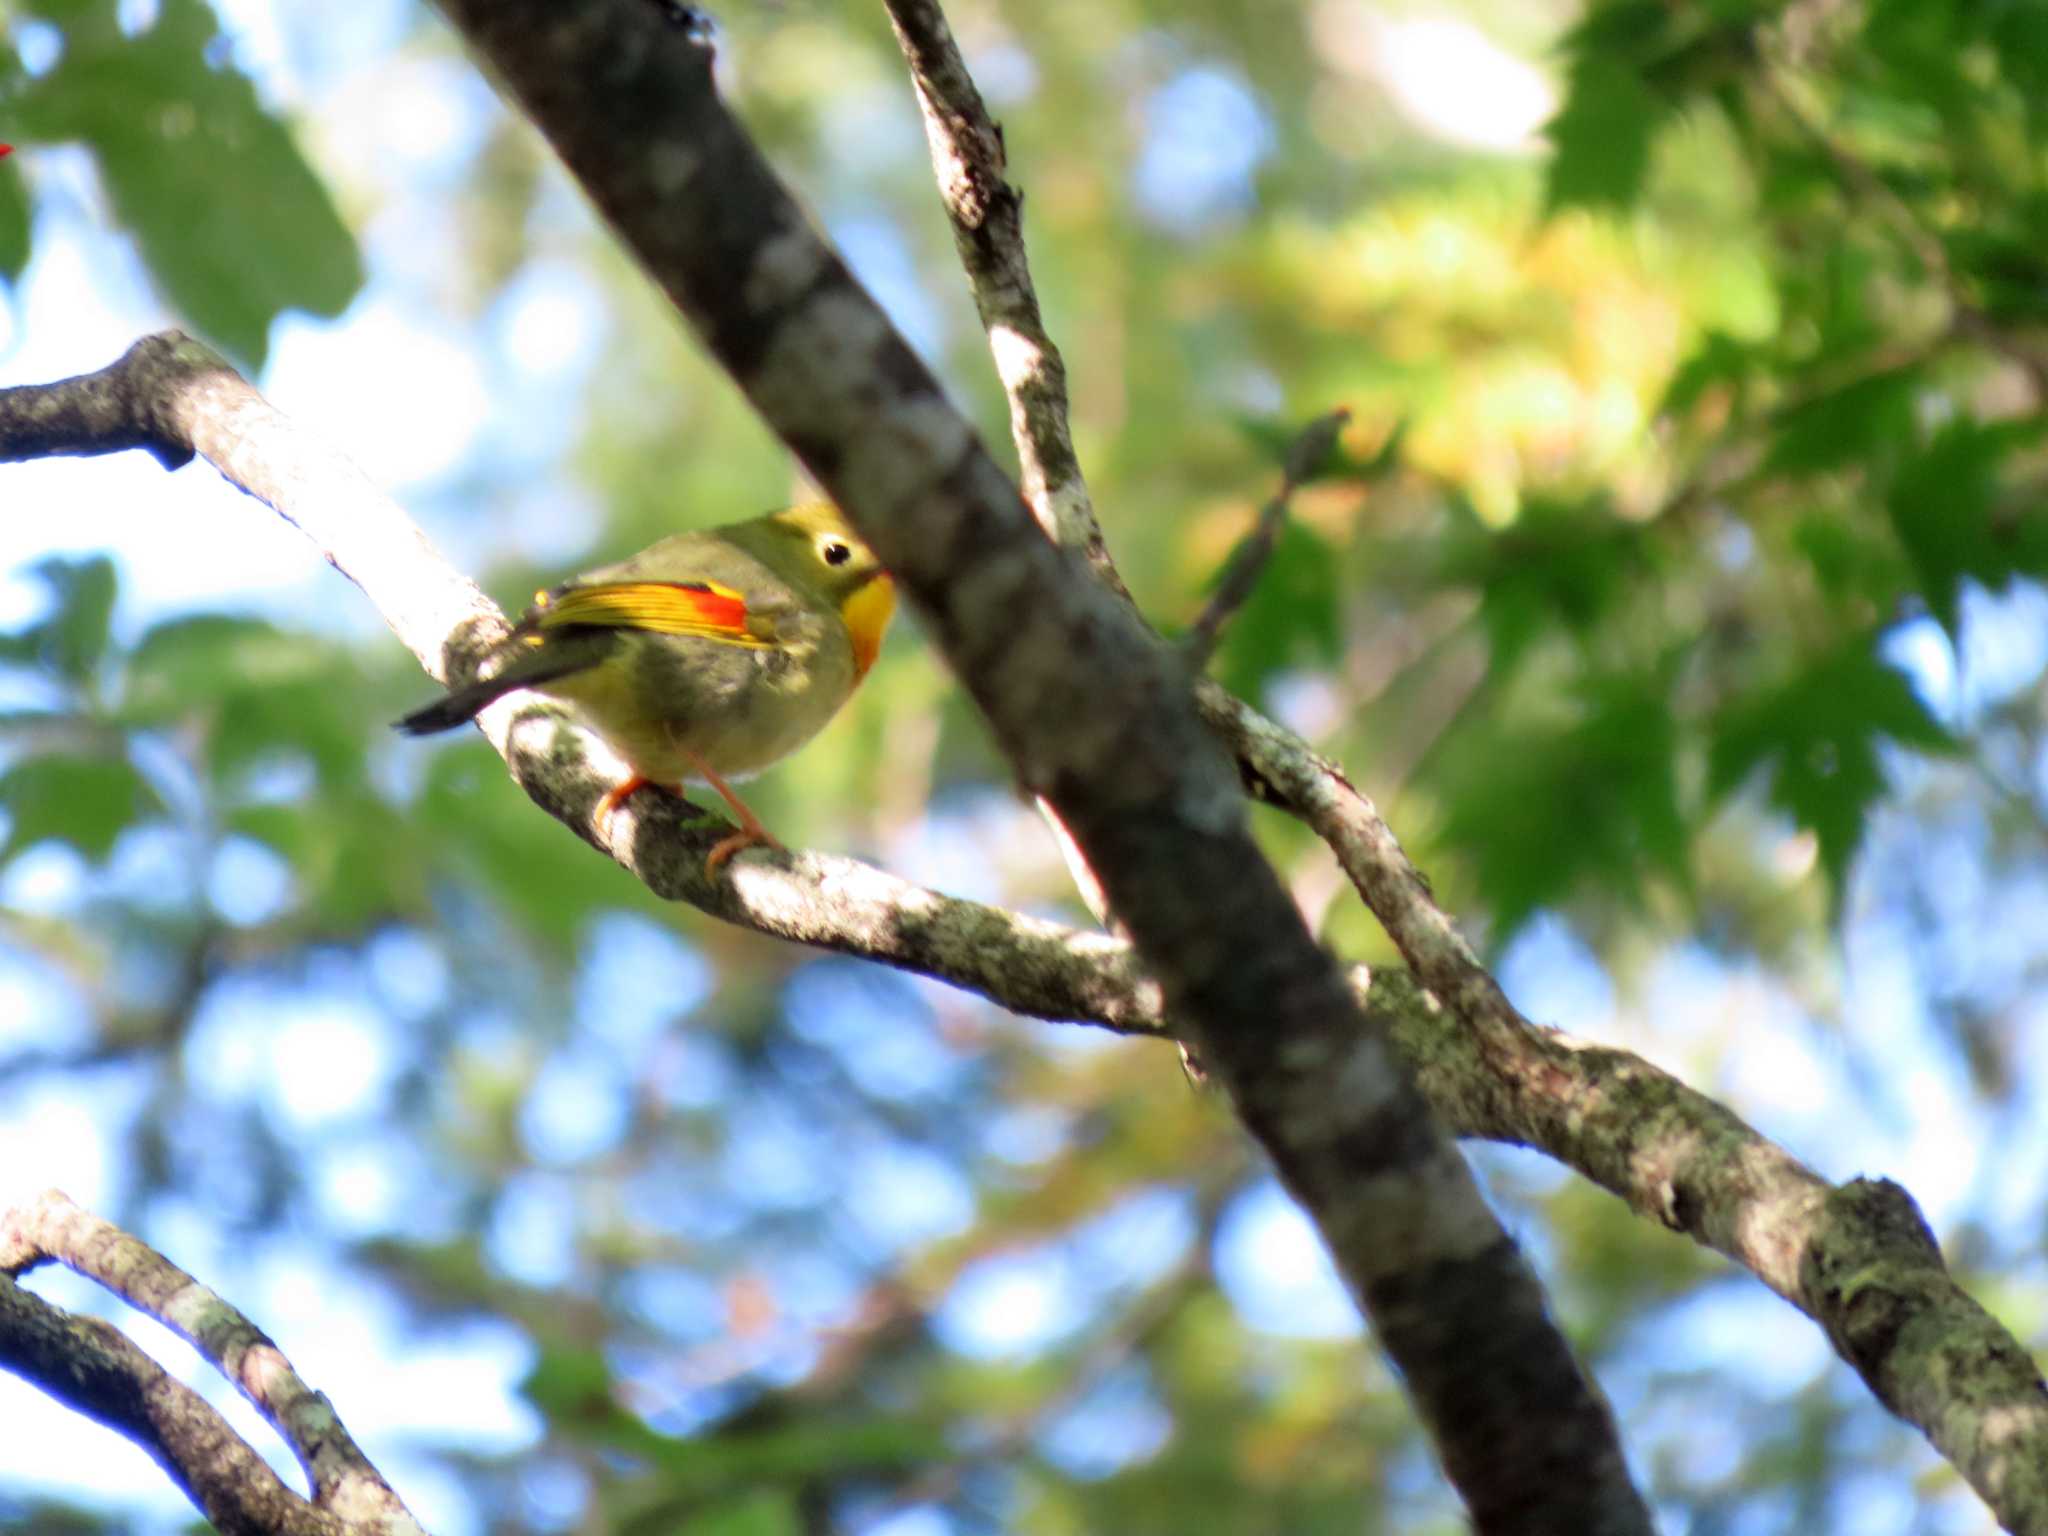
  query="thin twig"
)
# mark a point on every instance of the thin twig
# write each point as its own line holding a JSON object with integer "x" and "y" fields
{"x": 93, "y": 1367}
{"x": 987, "y": 215}
{"x": 1234, "y": 587}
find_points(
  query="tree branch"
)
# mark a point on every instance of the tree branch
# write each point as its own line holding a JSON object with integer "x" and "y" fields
{"x": 967, "y": 155}
{"x": 1240, "y": 574}
{"x": 987, "y": 215}
{"x": 969, "y": 161}
{"x": 1094, "y": 714}
{"x": 98, "y": 1370}
{"x": 1672, "y": 1153}
{"x": 1749, "y": 1199}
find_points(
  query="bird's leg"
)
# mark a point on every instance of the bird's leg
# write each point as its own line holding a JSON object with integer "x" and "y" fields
{"x": 750, "y": 834}
{"x": 617, "y": 796}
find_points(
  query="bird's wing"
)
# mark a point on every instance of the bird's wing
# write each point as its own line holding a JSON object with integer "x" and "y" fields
{"x": 709, "y": 610}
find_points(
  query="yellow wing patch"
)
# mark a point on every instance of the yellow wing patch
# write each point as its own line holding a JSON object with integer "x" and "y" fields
{"x": 707, "y": 609}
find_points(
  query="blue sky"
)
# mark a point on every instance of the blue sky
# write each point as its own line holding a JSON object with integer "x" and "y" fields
{"x": 1886, "y": 1096}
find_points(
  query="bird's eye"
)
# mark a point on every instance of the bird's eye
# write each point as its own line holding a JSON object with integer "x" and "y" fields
{"x": 836, "y": 552}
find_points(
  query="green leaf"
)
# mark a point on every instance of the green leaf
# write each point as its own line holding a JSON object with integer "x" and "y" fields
{"x": 578, "y": 1393}
{"x": 1817, "y": 734}
{"x": 570, "y": 1384}
{"x": 764, "y": 1512}
{"x": 1851, "y": 559}
{"x": 14, "y": 219}
{"x": 71, "y": 639}
{"x": 1924, "y": 49}
{"x": 1718, "y": 359}
{"x": 87, "y": 802}
{"x": 2020, "y": 36}
{"x": 186, "y": 664}
{"x": 264, "y": 694}
{"x": 1293, "y": 617}
{"x": 796, "y": 1452}
{"x": 2002, "y": 269}
{"x": 689, "y": 1473}
{"x": 1541, "y": 812}
{"x": 1863, "y": 422}
{"x": 354, "y": 861}
{"x": 1942, "y": 506}
{"x": 545, "y": 877}
{"x": 229, "y": 217}
{"x": 1602, "y": 136}
{"x": 1561, "y": 565}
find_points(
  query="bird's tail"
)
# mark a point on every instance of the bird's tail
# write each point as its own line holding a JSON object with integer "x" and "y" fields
{"x": 558, "y": 658}
{"x": 449, "y": 711}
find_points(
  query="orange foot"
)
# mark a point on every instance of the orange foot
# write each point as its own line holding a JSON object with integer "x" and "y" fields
{"x": 751, "y": 834}
{"x": 756, "y": 836}
{"x": 617, "y": 796}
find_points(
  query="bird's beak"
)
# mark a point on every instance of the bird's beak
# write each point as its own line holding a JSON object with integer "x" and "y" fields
{"x": 867, "y": 613}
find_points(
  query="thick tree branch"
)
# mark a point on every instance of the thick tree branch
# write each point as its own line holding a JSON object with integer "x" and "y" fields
{"x": 1095, "y": 715}
{"x": 1674, "y": 1154}
{"x": 968, "y": 158}
{"x": 189, "y": 400}
{"x": 98, "y": 1370}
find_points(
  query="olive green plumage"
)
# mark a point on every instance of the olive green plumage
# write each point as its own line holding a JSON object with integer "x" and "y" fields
{"x": 720, "y": 650}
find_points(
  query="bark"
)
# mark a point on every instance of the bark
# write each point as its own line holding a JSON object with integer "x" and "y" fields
{"x": 1098, "y": 718}
{"x": 1856, "y": 1257}
{"x": 98, "y": 1370}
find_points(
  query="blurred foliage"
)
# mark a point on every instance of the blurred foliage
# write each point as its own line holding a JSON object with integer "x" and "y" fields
{"x": 1676, "y": 596}
{"x": 224, "y": 209}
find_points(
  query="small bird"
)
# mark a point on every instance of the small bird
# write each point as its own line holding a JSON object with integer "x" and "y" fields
{"x": 708, "y": 656}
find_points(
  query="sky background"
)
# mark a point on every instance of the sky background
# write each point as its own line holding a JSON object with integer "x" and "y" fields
{"x": 320, "y": 1054}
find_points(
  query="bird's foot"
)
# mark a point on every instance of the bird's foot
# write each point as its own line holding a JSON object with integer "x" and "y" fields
{"x": 748, "y": 834}
{"x": 615, "y": 797}
{"x": 755, "y": 836}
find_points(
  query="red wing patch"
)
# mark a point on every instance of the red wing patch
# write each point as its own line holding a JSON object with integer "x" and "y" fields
{"x": 706, "y": 609}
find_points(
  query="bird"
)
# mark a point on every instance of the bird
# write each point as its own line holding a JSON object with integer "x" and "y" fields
{"x": 709, "y": 656}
